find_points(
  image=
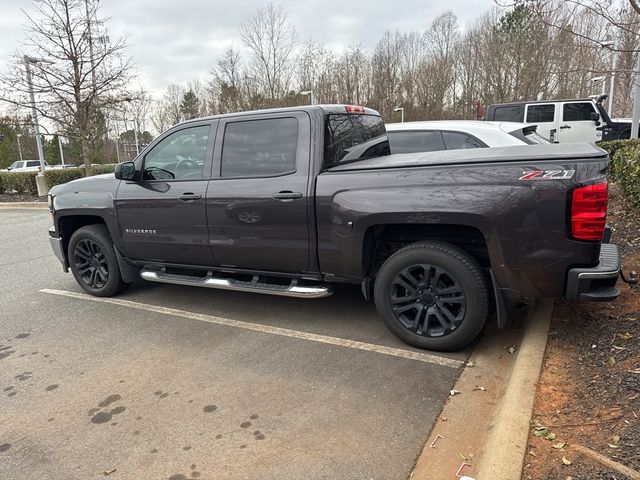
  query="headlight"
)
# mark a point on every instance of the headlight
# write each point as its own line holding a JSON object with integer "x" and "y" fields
{"x": 50, "y": 203}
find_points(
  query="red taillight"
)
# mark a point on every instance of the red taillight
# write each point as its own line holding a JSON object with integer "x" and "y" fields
{"x": 589, "y": 211}
{"x": 354, "y": 109}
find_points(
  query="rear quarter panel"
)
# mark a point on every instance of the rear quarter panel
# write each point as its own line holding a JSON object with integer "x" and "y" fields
{"x": 524, "y": 223}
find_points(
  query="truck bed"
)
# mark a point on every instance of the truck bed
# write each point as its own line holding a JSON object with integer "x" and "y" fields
{"x": 520, "y": 153}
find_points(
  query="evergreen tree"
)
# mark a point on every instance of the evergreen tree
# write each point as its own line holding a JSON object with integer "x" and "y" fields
{"x": 190, "y": 106}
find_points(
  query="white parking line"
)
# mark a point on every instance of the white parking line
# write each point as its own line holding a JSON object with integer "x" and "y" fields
{"x": 256, "y": 327}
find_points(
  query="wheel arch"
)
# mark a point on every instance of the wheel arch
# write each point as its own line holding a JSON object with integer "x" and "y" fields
{"x": 381, "y": 241}
{"x": 68, "y": 223}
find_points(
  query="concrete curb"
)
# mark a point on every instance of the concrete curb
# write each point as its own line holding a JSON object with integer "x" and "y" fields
{"x": 462, "y": 425}
{"x": 36, "y": 205}
{"x": 502, "y": 457}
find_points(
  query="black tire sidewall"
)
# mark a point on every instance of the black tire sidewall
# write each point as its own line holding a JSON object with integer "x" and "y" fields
{"x": 464, "y": 269}
{"x": 99, "y": 235}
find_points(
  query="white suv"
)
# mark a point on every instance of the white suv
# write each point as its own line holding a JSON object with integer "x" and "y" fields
{"x": 26, "y": 166}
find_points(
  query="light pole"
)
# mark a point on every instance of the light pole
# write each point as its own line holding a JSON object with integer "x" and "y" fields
{"x": 135, "y": 135}
{"x": 312, "y": 100}
{"x": 28, "y": 61}
{"x": 636, "y": 101}
{"x": 612, "y": 79}
{"x": 401, "y": 110}
{"x": 599, "y": 79}
{"x": 18, "y": 135}
{"x": 117, "y": 136}
{"x": 117, "y": 151}
{"x": 60, "y": 147}
{"x": 93, "y": 66}
{"x": 611, "y": 44}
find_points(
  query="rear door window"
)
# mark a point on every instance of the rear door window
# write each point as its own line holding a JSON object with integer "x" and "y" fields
{"x": 259, "y": 148}
{"x": 576, "y": 112}
{"x": 508, "y": 113}
{"x": 458, "y": 140}
{"x": 415, "y": 141}
{"x": 540, "y": 113}
{"x": 350, "y": 137}
{"x": 33, "y": 163}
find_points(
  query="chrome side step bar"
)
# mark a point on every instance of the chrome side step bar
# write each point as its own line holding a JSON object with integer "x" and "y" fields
{"x": 254, "y": 286}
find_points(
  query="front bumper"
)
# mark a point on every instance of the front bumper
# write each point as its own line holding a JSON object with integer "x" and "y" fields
{"x": 58, "y": 249}
{"x": 596, "y": 284}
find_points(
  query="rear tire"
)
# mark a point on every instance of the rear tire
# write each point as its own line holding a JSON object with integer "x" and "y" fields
{"x": 93, "y": 261}
{"x": 432, "y": 295}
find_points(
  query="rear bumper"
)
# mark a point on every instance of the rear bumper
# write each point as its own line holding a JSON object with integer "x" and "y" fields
{"x": 596, "y": 284}
{"x": 58, "y": 249}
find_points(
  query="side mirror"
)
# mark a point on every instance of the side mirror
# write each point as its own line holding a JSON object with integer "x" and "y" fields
{"x": 125, "y": 171}
{"x": 595, "y": 117}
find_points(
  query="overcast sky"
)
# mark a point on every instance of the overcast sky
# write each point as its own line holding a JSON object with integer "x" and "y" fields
{"x": 179, "y": 40}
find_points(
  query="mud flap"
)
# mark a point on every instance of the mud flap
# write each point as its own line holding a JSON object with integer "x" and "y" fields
{"x": 501, "y": 305}
{"x": 128, "y": 272}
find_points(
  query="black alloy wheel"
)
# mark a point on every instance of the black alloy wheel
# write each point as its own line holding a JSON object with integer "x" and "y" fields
{"x": 432, "y": 295}
{"x": 91, "y": 263}
{"x": 428, "y": 300}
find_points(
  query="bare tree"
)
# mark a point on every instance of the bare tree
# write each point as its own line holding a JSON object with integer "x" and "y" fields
{"x": 627, "y": 58}
{"x": 228, "y": 69}
{"x": 441, "y": 40}
{"x": 271, "y": 39}
{"x": 85, "y": 72}
{"x": 160, "y": 117}
{"x": 386, "y": 73}
{"x": 526, "y": 50}
{"x": 170, "y": 105}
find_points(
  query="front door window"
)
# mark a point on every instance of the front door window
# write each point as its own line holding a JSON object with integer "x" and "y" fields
{"x": 180, "y": 156}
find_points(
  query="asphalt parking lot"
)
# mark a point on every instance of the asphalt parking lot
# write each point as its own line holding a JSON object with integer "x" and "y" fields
{"x": 170, "y": 382}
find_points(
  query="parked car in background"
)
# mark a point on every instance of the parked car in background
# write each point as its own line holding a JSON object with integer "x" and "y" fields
{"x": 410, "y": 137}
{"x": 26, "y": 166}
{"x": 60, "y": 167}
{"x": 564, "y": 121}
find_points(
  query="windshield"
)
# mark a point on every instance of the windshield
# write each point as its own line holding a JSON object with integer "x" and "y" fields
{"x": 352, "y": 137}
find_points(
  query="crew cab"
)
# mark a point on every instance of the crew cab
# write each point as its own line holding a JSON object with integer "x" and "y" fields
{"x": 564, "y": 121}
{"x": 294, "y": 201}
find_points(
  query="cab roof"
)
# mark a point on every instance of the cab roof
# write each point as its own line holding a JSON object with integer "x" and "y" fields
{"x": 328, "y": 109}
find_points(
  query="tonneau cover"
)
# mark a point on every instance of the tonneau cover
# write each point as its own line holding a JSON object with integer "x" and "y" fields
{"x": 518, "y": 153}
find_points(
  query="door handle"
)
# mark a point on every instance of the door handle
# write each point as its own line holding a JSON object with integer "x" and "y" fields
{"x": 188, "y": 197}
{"x": 564, "y": 126}
{"x": 287, "y": 195}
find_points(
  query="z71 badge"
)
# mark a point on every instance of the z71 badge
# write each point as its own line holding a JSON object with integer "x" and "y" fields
{"x": 547, "y": 175}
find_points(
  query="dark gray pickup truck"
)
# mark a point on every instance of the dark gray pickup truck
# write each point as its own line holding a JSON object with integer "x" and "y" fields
{"x": 290, "y": 201}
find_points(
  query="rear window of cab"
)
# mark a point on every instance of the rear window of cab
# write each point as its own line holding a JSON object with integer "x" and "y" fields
{"x": 351, "y": 137}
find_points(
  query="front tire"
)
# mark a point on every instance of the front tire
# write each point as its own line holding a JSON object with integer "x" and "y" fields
{"x": 93, "y": 261}
{"x": 432, "y": 295}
